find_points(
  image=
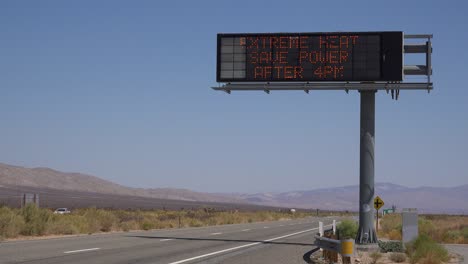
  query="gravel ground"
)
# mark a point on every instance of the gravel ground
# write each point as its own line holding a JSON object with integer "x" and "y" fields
{"x": 361, "y": 257}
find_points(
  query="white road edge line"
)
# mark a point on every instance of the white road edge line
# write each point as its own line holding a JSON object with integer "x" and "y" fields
{"x": 167, "y": 239}
{"x": 214, "y": 234}
{"x": 243, "y": 246}
{"x": 81, "y": 250}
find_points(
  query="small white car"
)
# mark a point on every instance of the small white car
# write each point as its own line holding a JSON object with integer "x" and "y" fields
{"x": 62, "y": 211}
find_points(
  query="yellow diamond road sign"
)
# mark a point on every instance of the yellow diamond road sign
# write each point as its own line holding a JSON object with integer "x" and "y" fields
{"x": 378, "y": 203}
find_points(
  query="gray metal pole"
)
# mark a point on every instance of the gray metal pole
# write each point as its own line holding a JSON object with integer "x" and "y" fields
{"x": 366, "y": 233}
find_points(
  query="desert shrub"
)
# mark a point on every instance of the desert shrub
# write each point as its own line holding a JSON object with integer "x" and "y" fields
{"x": 390, "y": 226}
{"x": 129, "y": 225}
{"x": 425, "y": 250}
{"x": 347, "y": 229}
{"x": 165, "y": 224}
{"x": 92, "y": 220}
{"x": 465, "y": 234}
{"x": 63, "y": 225}
{"x": 375, "y": 256}
{"x": 36, "y": 220}
{"x": 32, "y": 221}
{"x": 229, "y": 219}
{"x": 452, "y": 236}
{"x": 100, "y": 220}
{"x": 445, "y": 228}
{"x": 108, "y": 220}
{"x": 80, "y": 222}
{"x": 152, "y": 220}
{"x": 426, "y": 227}
{"x": 391, "y": 246}
{"x": 128, "y": 216}
{"x": 390, "y": 222}
{"x": 146, "y": 225}
{"x": 195, "y": 223}
{"x": 262, "y": 216}
{"x": 11, "y": 223}
{"x": 397, "y": 257}
{"x": 212, "y": 221}
{"x": 394, "y": 235}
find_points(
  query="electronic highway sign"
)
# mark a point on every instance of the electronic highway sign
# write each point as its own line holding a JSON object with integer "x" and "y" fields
{"x": 310, "y": 57}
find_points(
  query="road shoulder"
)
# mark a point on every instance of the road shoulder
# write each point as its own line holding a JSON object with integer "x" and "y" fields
{"x": 459, "y": 249}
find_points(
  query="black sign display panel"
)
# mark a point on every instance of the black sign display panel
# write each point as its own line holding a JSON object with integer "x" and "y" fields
{"x": 310, "y": 57}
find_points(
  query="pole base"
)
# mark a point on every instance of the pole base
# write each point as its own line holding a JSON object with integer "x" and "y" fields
{"x": 366, "y": 236}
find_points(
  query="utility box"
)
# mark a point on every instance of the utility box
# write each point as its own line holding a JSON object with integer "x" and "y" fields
{"x": 410, "y": 224}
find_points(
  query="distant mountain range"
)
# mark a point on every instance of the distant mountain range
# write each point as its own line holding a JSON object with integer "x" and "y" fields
{"x": 453, "y": 200}
{"x": 427, "y": 199}
{"x": 52, "y": 179}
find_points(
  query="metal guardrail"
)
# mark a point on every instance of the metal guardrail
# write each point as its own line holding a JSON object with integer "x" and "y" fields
{"x": 332, "y": 247}
{"x": 344, "y": 247}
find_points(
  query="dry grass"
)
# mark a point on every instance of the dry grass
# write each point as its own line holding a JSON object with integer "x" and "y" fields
{"x": 390, "y": 227}
{"x": 11, "y": 223}
{"x": 33, "y": 221}
{"x": 424, "y": 250}
{"x": 446, "y": 229}
{"x": 440, "y": 228}
{"x": 433, "y": 229}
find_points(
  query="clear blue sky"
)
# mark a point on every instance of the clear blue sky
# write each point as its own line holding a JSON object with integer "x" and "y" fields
{"x": 121, "y": 90}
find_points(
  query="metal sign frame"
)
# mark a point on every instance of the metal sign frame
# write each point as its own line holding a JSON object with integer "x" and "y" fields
{"x": 395, "y": 87}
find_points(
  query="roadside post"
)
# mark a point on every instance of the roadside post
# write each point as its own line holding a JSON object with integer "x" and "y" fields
{"x": 334, "y": 227}
{"x": 321, "y": 228}
{"x": 347, "y": 250}
{"x": 378, "y": 203}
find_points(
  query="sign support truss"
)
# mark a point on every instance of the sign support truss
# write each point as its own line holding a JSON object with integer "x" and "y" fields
{"x": 310, "y": 86}
{"x": 394, "y": 87}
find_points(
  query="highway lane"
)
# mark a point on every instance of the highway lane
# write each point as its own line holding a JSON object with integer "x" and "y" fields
{"x": 275, "y": 242}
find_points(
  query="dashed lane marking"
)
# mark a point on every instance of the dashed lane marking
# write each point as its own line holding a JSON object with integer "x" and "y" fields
{"x": 239, "y": 247}
{"x": 81, "y": 250}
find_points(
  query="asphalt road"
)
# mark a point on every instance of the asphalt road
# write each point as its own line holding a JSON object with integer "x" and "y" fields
{"x": 286, "y": 241}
